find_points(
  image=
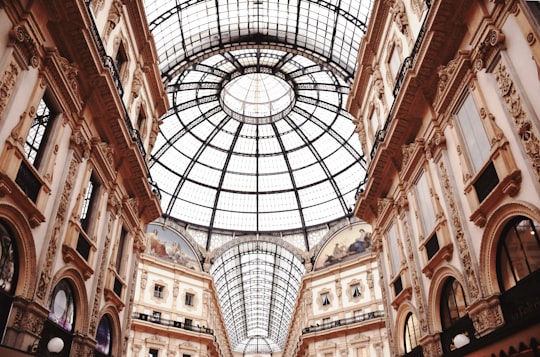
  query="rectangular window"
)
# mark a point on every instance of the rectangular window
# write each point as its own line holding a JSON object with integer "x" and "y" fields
{"x": 156, "y": 316}
{"x": 425, "y": 204}
{"x": 158, "y": 291}
{"x": 39, "y": 133}
{"x": 361, "y": 352}
{"x": 153, "y": 352}
{"x": 395, "y": 63}
{"x": 326, "y": 321}
{"x": 393, "y": 247}
{"x": 120, "y": 250}
{"x": 374, "y": 121}
{"x": 188, "y": 323}
{"x": 120, "y": 59}
{"x": 474, "y": 136}
{"x": 88, "y": 202}
{"x": 355, "y": 290}
{"x": 325, "y": 299}
{"x": 189, "y": 299}
{"x": 185, "y": 355}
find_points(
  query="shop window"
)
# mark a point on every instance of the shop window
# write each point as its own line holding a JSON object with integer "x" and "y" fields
{"x": 9, "y": 268}
{"x": 62, "y": 308}
{"x": 453, "y": 303}
{"x": 519, "y": 252}
{"x": 104, "y": 337}
{"x": 411, "y": 335}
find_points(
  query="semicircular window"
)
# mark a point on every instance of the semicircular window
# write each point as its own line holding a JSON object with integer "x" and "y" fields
{"x": 62, "y": 309}
{"x": 104, "y": 337}
{"x": 453, "y": 303}
{"x": 8, "y": 264}
{"x": 519, "y": 251}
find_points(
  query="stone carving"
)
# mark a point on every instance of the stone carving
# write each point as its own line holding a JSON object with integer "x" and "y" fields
{"x": 445, "y": 73}
{"x": 7, "y": 83}
{"x": 522, "y": 122}
{"x": 115, "y": 13}
{"x": 21, "y": 40}
{"x": 464, "y": 253}
{"x": 488, "y": 49}
{"x": 52, "y": 248}
{"x": 399, "y": 15}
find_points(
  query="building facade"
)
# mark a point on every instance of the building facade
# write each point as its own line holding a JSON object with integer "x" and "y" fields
{"x": 176, "y": 312}
{"x": 340, "y": 311}
{"x": 79, "y": 106}
{"x": 445, "y": 105}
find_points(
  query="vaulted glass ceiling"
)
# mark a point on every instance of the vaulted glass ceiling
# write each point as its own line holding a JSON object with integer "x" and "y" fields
{"x": 257, "y": 284}
{"x": 257, "y": 140}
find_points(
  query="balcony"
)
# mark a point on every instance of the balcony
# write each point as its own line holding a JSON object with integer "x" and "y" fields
{"x": 171, "y": 323}
{"x": 344, "y": 322}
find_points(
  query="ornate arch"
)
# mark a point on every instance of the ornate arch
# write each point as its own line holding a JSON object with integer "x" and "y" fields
{"x": 82, "y": 314}
{"x": 332, "y": 233}
{"x": 112, "y": 312}
{"x": 22, "y": 235}
{"x": 490, "y": 240}
{"x": 435, "y": 291}
{"x": 399, "y": 327}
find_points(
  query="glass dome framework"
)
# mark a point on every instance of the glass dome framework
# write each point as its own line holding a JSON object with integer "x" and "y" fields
{"x": 257, "y": 285}
{"x": 299, "y": 167}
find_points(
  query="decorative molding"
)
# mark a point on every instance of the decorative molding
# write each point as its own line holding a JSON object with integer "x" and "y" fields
{"x": 52, "y": 248}
{"x": 25, "y": 46}
{"x": 488, "y": 49}
{"x": 525, "y": 129}
{"x": 7, "y": 84}
{"x": 463, "y": 247}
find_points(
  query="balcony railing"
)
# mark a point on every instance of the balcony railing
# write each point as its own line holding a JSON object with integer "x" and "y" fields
{"x": 172, "y": 323}
{"x": 108, "y": 63}
{"x": 343, "y": 322}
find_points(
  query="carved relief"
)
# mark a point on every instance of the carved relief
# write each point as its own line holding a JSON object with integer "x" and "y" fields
{"x": 24, "y": 45}
{"x": 399, "y": 15}
{"x": 414, "y": 274}
{"x": 463, "y": 249}
{"x": 7, "y": 84}
{"x": 488, "y": 49}
{"x": 102, "y": 272}
{"x": 527, "y": 134}
{"x": 115, "y": 13}
{"x": 45, "y": 276}
{"x": 445, "y": 73}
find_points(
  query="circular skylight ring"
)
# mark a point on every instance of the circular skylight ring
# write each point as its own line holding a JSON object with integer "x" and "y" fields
{"x": 257, "y": 98}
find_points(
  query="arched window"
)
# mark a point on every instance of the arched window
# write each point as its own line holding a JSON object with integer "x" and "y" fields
{"x": 453, "y": 303}
{"x": 412, "y": 333}
{"x": 104, "y": 337}
{"x": 519, "y": 251}
{"x": 8, "y": 274}
{"x": 62, "y": 308}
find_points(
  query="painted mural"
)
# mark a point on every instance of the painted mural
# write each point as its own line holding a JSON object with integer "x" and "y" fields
{"x": 169, "y": 245}
{"x": 345, "y": 245}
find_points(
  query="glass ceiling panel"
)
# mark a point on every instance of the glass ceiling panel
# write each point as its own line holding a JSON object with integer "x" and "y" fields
{"x": 260, "y": 141}
{"x": 257, "y": 140}
{"x": 249, "y": 278}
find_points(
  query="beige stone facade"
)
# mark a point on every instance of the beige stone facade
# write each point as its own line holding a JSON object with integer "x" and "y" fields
{"x": 340, "y": 309}
{"x": 453, "y": 182}
{"x": 176, "y": 312}
{"x": 80, "y": 98}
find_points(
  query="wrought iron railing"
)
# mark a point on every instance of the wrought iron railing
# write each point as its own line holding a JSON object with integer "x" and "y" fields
{"x": 108, "y": 63}
{"x": 343, "y": 322}
{"x": 172, "y": 323}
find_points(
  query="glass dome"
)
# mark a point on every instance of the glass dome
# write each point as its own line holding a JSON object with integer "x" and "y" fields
{"x": 257, "y": 140}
